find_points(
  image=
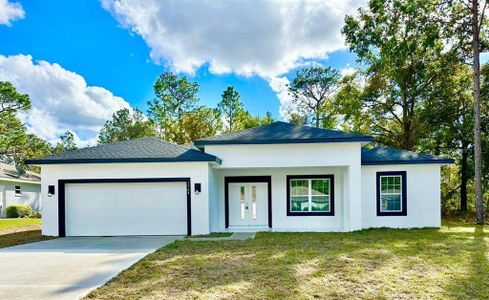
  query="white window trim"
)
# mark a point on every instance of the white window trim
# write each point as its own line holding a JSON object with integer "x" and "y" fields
{"x": 309, "y": 194}
{"x": 387, "y": 194}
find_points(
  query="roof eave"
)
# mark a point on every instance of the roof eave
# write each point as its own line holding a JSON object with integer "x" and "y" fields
{"x": 19, "y": 180}
{"x": 104, "y": 161}
{"x": 409, "y": 162}
{"x": 202, "y": 143}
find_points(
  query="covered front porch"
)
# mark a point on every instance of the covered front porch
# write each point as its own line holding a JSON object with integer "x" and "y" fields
{"x": 280, "y": 199}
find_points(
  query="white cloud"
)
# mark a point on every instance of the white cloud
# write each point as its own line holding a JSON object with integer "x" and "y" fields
{"x": 61, "y": 99}
{"x": 280, "y": 86}
{"x": 348, "y": 71}
{"x": 10, "y": 11}
{"x": 262, "y": 37}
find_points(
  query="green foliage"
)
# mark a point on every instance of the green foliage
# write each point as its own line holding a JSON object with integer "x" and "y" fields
{"x": 11, "y": 101}
{"x": 230, "y": 108}
{"x": 125, "y": 126}
{"x": 202, "y": 122}
{"x": 16, "y": 144}
{"x": 67, "y": 143}
{"x": 19, "y": 211}
{"x": 313, "y": 91}
{"x": 175, "y": 96}
{"x": 401, "y": 48}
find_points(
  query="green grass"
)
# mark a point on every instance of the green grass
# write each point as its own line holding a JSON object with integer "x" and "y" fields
{"x": 447, "y": 263}
{"x": 8, "y": 224}
{"x": 213, "y": 235}
{"x": 20, "y": 231}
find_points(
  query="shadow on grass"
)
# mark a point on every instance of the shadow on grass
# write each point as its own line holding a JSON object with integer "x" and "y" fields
{"x": 375, "y": 263}
{"x": 473, "y": 283}
{"x": 21, "y": 237}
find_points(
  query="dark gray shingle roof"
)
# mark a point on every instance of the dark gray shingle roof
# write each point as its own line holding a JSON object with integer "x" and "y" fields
{"x": 390, "y": 156}
{"x": 137, "y": 150}
{"x": 282, "y": 133}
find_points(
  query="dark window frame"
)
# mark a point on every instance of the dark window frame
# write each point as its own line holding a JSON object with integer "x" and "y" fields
{"x": 18, "y": 194}
{"x": 311, "y": 213}
{"x": 403, "y": 211}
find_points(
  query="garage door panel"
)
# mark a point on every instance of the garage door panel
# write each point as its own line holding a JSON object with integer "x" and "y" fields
{"x": 107, "y": 209}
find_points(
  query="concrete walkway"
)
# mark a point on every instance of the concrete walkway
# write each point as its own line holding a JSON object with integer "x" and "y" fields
{"x": 237, "y": 236}
{"x": 69, "y": 268}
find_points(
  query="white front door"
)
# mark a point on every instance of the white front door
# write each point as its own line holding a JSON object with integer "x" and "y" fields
{"x": 248, "y": 204}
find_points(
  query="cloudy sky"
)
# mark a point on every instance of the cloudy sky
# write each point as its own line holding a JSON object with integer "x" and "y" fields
{"x": 81, "y": 60}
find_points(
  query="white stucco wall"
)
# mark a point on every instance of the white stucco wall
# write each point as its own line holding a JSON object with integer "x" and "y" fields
{"x": 31, "y": 195}
{"x": 303, "y": 155}
{"x": 423, "y": 197}
{"x": 197, "y": 171}
{"x": 280, "y": 220}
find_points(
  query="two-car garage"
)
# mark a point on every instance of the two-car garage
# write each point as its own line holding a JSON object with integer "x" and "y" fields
{"x": 119, "y": 207}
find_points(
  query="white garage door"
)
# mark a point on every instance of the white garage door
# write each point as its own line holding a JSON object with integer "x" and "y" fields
{"x": 110, "y": 209}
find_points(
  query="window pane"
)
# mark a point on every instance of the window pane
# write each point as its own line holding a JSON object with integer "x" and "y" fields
{"x": 299, "y": 203}
{"x": 391, "y": 184}
{"x": 320, "y": 203}
{"x": 253, "y": 201}
{"x": 320, "y": 187}
{"x": 299, "y": 187}
{"x": 391, "y": 202}
{"x": 242, "y": 202}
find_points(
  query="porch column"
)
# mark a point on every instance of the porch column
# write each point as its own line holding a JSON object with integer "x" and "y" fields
{"x": 353, "y": 198}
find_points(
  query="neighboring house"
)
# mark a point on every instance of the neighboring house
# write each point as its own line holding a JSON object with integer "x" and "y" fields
{"x": 278, "y": 177}
{"x": 19, "y": 188}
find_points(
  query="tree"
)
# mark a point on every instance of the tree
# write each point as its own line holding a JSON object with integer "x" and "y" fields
{"x": 449, "y": 124}
{"x": 125, "y": 126}
{"x": 297, "y": 119}
{"x": 466, "y": 29}
{"x": 400, "y": 47}
{"x": 175, "y": 96}
{"x": 349, "y": 105}
{"x": 230, "y": 108}
{"x": 11, "y": 100}
{"x": 67, "y": 143}
{"x": 16, "y": 144}
{"x": 249, "y": 121}
{"x": 312, "y": 90}
{"x": 202, "y": 122}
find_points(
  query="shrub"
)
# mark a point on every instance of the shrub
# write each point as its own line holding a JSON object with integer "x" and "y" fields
{"x": 36, "y": 214}
{"x": 19, "y": 211}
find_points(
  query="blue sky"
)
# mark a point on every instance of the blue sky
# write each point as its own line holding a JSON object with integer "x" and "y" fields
{"x": 115, "y": 46}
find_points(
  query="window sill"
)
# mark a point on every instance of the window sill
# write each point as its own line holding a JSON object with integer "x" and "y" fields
{"x": 391, "y": 214}
{"x": 309, "y": 214}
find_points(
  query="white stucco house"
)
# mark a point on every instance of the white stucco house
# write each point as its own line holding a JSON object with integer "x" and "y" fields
{"x": 278, "y": 177}
{"x": 18, "y": 188}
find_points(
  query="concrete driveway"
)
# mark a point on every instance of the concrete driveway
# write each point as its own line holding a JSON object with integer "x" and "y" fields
{"x": 68, "y": 268}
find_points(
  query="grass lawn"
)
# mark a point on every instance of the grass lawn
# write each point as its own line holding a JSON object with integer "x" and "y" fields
{"x": 20, "y": 231}
{"x": 212, "y": 235}
{"x": 451, "y": 262}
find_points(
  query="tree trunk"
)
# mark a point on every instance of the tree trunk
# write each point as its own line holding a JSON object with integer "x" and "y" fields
{"x": 317, "y": 117}
{"x": 477, "y": 114}
{"x": 464, "y": 177}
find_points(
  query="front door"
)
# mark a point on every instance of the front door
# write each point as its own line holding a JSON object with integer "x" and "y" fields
{"x": 248, "y": 204}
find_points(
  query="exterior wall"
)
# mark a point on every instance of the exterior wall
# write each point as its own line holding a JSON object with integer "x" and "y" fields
{"x": 31, "y": 195}
{"x": 198, "y": 173}
{"x": 303, "y": 155}
{"x": 423, "y": 197}
{"x": 280, "y": 220}
{"x": 287, "y": 155}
